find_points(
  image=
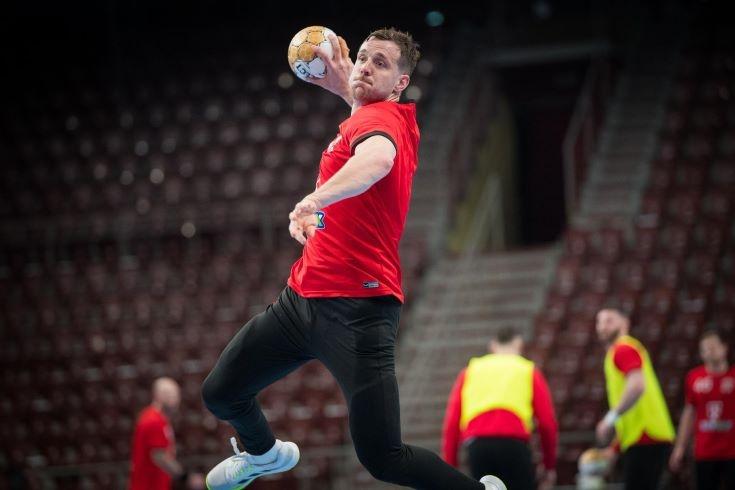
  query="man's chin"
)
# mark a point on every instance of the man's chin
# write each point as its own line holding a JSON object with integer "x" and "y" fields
{"x": 608, "y": 338}
{"x": 359, "y": 93}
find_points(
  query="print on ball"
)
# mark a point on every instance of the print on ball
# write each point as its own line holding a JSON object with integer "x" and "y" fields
{"x": 301, "y": 52}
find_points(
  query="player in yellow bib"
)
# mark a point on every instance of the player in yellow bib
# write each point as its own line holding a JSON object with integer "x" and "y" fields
{"x": 638, "y": 414}
{"x": 494, "y": 406}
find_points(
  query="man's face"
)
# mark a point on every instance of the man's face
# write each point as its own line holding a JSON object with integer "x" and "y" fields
{"x": 171, "y": 400}
{"x": 608, "y": 326}
{"x": 712, "y": 350}
{"x": 376, "y": 74}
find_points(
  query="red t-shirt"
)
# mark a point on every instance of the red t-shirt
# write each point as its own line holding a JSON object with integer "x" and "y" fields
{"x": 354, "y": 252}
{"x": 501, "y": 423}
{"x": 152, "y": 431}
{"x": 627, "y": 359}
{"x": 713, "y": 397}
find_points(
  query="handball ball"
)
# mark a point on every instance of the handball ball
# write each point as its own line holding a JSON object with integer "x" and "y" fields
{"x": 593, "y": 462}
{"x": 301, "y": 56}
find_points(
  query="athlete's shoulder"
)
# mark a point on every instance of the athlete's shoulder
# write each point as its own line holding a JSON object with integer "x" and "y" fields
{"x": 632, "y": 343}
{"x": 696, "y": 372}
{"x": 624, "y": 344}
{"x": 150, "y": 415}
{"x": 370, "y": 114}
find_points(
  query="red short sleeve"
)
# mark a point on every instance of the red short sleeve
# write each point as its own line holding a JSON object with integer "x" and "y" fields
{"x": 626, "y": 358}
{"x": 370, "y": 121}
{"x": 689, "y": 395}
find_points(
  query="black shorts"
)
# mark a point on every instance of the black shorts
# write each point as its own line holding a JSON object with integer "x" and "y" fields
{"x": 644, "y": 464}
{"x": 716, "y": 474}
{"x": 507, "y": 458}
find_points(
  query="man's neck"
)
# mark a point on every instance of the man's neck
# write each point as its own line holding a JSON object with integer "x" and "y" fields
{"x": 356, "y": 104}
{"x": 506, "y": 352}
{"x": 615, "y": 339}
{"x": 717, "y": 367}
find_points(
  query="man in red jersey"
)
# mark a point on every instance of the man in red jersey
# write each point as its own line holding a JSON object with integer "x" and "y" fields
{"x": 153, "y": 451}
{"x": 710, "y": 414}
{"x": 344, "y": 296}
{"x": 492, "y": 407}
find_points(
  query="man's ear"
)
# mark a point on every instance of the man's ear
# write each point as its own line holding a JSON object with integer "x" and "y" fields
{"x": 402, "y": 83}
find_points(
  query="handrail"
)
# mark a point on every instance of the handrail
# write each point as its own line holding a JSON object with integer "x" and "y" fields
{"x": 584, "y": 128}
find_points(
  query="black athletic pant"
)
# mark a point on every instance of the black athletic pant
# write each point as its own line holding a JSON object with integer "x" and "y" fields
{"x": 507, "y": 458}
{"x": 715, "y": 475}
{"x": 643, "y": 465}
{"x": 355, "y": 339}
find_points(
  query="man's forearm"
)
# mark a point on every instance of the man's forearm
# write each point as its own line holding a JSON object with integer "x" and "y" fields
{"x": 167, "y": 463}
{"x": 355, "y": 177}
{"x": 686, "y": 423}
{"x": 634, "y": 388}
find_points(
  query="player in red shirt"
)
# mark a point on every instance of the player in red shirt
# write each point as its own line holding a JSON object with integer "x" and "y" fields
{"x": 709, "y": 413}
{"x": 153, "y": 451}
{"x": 343, "y": 298}
{"x": 488, "y": 415}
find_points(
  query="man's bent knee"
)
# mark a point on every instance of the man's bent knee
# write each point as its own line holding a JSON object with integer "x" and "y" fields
{"x": 219, "y": 400}
{"x": 383, "y": 467}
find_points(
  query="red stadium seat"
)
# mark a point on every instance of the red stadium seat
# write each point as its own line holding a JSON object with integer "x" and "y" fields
{"x": 673, "y": 240}
{"x": 687, "y": 326}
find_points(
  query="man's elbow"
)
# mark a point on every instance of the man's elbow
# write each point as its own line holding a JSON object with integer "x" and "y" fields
{"x": 639, "y": 386}
{"x": 384, "y": 164}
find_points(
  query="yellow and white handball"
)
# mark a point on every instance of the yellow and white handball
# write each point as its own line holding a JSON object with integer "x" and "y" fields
{"x": 301, "y": 52}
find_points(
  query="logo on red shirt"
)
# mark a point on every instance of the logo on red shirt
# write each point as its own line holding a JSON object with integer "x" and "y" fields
{"x": 334, "y": 143}
{"x": 320, "y": 220}
{"x": 703, "y": 385}
{"x": 727, "y": 385}
{"x": 713, "y": 422}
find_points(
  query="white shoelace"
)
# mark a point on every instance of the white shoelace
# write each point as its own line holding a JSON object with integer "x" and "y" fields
{"x": 240, "y": 464}
{"x": 233, "y": 441}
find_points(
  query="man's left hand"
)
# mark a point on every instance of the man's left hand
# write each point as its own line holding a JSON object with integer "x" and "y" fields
{"x": 604, "y": 432}
{"x": 547, "y": 480}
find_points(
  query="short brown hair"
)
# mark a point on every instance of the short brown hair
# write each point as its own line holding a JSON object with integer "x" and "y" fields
{"x": 506, "y": 334}
{"x": 713, "y": 332}
{"x": 409, "y": 48}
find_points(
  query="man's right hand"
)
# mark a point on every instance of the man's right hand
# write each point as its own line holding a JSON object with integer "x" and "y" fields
{"x": 547, "y": 480}
{"x": 302, "y": 221}
{"x": 677, "y": 456}
{"x": 339, "y": 69}
{"x": 195, "y": 481}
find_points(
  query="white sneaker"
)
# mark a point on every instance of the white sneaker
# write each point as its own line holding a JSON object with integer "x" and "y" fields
{"x": 239, "y": 471}
{"x": 493, "y": 483}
